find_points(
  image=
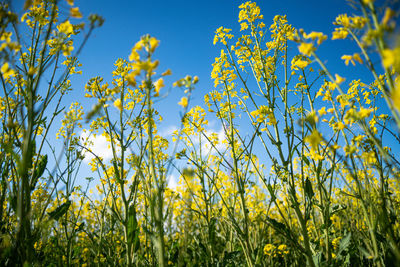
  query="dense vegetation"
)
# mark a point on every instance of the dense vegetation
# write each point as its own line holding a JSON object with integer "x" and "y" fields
{"x": 305, "y": 170}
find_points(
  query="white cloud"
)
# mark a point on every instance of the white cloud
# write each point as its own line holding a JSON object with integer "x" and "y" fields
{"x": 98, "y": 145}
{"x": 220, "y": 147}
{"x": 168, "y": 131}
{"x": 172, "y": 182}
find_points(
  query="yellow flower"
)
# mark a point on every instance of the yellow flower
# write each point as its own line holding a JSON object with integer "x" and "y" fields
{"x": 314, "y": 139}
{"x": 306, "y": 48}
{"x": 158, "y": 85}
{"x": 183, "y": 102}
{"x": 167, "y": 72}
{"x": 349, "y": 150}
{"x": 66, "y": 28}
{"x": 271, "y": 119}
{"x": 395, "y": 96}
{"x": 388, "y": 57}
{"x": 75, "y": 13}
{"x": 369, "y": 157}
{"x": 262, "y": 113}
{"x": 316, "y": 35}
{"x": 343, "y": 20}
{"x": 32, "y": 70}
{"x": 359, "y": 138}
{"x": 131, "y": 78}
{"x": 7, "y": 71}
{"x": 364, "y": 113}
{"x": 322, "y": 111}
{"x": 340, "y": 125}
{"x": 243, "y": 26}
{"x": 134, "y": 56}
{"x": 312, "y": 118}
{"x": 357, "y": 58}
{"x": 145, "y": 65}
{"x": 268, "y": 249}
{"x": 389, "y": 13}
{"x": 153, "y": 44}
{"x": 118, "y": 104}
{"x": 67, "y": 49}
{"x": 338, "y": 79}
{"x": 347, "y": 59}
{"x": 299, "y": 63}
{"x": 283, "y": 249}
{"x": 339, "y": 33}
{"x": 138, "y": 46}
{"x": 367, "y": 2}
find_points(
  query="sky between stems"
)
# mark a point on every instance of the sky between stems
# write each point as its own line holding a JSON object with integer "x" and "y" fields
{"x": 186, "y": 31}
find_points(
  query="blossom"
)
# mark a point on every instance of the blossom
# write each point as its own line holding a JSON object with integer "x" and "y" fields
{"x": 268, "y": 249}
{"x": 183, "y": 102}
{"x": 153, "y": 44}
{"x": 364, "y": 113}
{"x": 118, "y": 104}
{"x": 6, "y": 70}
{"x": 389, "y": 13}
{"x": 388, "y": 57}
{"x": 75, "y": 13}
{"x": 299, "y": 63}
{"x": 167, "y": 72}
{"x": 339, "y": 33}
{"x": 322, "y": 111}
{"x": 395, "y": 95}
{"x": 283, "y": 249}
{"x": 367, "y": 2}
{"x": 306, "y": 48}
{"x": 347, "y": 59}
{"x": 314, "y": 139}
{"x": 145, "y": 65}
{"x": 316, "y": 35}
{"x": 158, "y": 85}
{"x": 66, "y": 28}
{"x": 339, "y": 79}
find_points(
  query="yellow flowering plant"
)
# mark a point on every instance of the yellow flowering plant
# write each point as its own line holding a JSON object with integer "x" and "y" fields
{"x": 286, "y": 163}
{"x": 27, "y": 119}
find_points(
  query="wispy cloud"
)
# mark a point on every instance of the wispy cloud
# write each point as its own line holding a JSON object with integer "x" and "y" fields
{"x": 221, "y": 146}
{"x": 172, "y": 181}
{"x": 168, "y": 131}
{"x": 98, "y": 145}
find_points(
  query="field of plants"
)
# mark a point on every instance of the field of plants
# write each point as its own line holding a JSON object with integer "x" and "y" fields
{"x": 304, "y": 173}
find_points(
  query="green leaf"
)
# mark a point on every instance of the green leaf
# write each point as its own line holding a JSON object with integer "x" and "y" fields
{"x": 116, "y": 172}
{"x": 229, "y": 257}
{"x": 133, "y": 230}
{"x": 277, "y": 225}
{"x": 271, "y": 192}
{"x": 319, "y": 168}
{"x": 212, "y": 230}
{"x": 188, "y": 172}
{"x": 60, "y": 211}
{"x": 345, "y": 243}
{"x": 80, "y": 227}
{"x": 13, "y": 201}
{"x": 308, "y": 189}
{"x": 306, "y": 161}
{"x": 38, "y": 172}
{"x": 317, "y": 259}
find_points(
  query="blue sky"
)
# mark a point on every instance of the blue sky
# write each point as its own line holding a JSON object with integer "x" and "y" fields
{"x": 186, "y": 31}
